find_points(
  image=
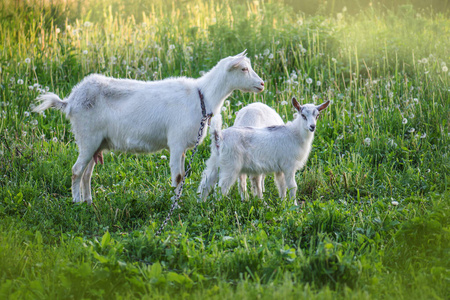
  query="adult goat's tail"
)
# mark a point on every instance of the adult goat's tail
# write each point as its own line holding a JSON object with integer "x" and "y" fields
{"x": 50, "y": 100}
{"x": 216, "y": 132}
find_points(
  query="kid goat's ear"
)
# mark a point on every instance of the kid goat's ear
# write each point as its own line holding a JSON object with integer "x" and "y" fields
{"x": 296, "y": 104}
{"x": 323, "y": 105}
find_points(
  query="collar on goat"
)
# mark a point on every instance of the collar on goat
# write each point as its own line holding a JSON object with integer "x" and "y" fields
{"x": 202, "y": 105}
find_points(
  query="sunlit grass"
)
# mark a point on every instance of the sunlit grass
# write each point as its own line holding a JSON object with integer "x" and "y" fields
{"x": 375, "y": 220}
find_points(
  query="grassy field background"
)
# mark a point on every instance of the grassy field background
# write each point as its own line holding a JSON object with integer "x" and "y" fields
{"x": 375, "y": 223}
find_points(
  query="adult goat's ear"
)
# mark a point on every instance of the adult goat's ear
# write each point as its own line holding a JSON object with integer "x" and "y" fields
{"x": 297, "y": 105}
{"x": 235, "y": 62}
{"x": 243, "y": 53}
{"x": 323, "y": 105}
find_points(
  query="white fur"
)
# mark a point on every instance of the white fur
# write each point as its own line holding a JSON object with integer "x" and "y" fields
{"x": 281, "y": 149}
{"x": 138, "y": 116}
{"x": 256, "y": 115}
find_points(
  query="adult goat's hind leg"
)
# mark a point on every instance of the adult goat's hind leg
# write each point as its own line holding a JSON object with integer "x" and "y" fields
{"x": 86, "y": 182}
{"x": 87, "y": 148}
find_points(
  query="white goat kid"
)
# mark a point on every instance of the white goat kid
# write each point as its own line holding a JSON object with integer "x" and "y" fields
{"x": 141, "y": 117}
{"x": 281, "y": 149}
{"x": 256, "y": 115}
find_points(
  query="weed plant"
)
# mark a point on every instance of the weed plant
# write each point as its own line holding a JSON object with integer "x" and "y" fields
{"x": 375, "y": 218}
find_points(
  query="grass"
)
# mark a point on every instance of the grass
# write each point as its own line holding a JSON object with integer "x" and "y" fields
{"x": 375, "y": 223}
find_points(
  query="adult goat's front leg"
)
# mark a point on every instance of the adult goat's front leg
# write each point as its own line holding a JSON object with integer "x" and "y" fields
{"x": 177, "y": 167}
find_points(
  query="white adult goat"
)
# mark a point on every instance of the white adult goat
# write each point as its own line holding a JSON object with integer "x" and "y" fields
{"x": 255, "y": 115}
{"x": 138, "y": 116}
{"x": 280, "y": 149}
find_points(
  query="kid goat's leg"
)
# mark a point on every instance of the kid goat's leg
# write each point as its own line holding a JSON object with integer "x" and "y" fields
{"x": 291, "y": 185}
{"x": 257, "y": 188}
{"x": 281, "y": 184}
{"x": 227, "y": 177}
{"x": 209, "y": 177}
{"x": 242, "y": 180}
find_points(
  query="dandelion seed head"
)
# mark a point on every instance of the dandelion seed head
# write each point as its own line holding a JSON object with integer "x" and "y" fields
{"x": 171, "y": 47}
{"x": 444, "y": 69}
{"x": 309, "y": 80}
{"x": 163, "y": 157}
{"x": 284, "y": 102}
{"x": 27, "y": 114}
{"x": 404, "y": 121}
{"x": 318, "y": 83}
{"x": 55, "y": 139}
{"x": 266, "y": 52}
{"x": 270, "y": 56}
{"x": 224, "y": 108}
{"x": 424, "y": 135}
{"x": 34, "y": 122}
{"x": 334, "y": 60}
{"x": 24, "y": 133}
{"x": 85, "y": 52}
{"x": 394, "y": 203}
{"x": 27, "y": 60}
{"x": 367, "y": 141}
{"x": 20, "y": 81}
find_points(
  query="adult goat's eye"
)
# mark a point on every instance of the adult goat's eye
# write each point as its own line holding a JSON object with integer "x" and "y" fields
{"x": 244, "y": 69}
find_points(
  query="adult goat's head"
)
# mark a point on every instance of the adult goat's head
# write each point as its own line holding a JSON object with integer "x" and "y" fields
{"x": 241, "y": 75}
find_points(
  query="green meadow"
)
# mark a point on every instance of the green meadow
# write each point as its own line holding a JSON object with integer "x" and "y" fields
{"x": 375, "y": 219}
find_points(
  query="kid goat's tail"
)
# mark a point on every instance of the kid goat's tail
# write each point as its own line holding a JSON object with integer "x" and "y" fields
{"x": 216, "y": 132}
{"x": 50, "y": 100}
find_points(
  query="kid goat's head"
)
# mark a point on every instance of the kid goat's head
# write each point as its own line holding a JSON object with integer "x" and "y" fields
{"x": 309, "y": 113}
{"x": 240, "y": 72}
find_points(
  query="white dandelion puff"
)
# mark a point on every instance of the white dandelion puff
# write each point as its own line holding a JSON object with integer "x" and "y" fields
{"x": 20, "y": 81}
{"x": 266, "y": 52}
{"x": 318, "y": 83}
{"x": 27, "y": 114}
{"x": 163, "y": 157}
{"x": 404, "y": 121}
{"x": 85, "y": 52}
{"x": 55, "y": 139}
{"x": 270, "y": 56}
{"x": 27, "y": 60}
{"x": 309, "y": 80}
{"x": 367, "y": 141}
{"x": 24, "y": 133}
{"x": 411, "y": 130}
{"x": 444, "y": 69}
{"x": 394, "y": 203}
{"x": 284, "y": 102}
{"x": 224, "y": 108}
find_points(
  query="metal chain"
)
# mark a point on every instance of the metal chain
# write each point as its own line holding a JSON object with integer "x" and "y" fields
{"x": 205, "y": 118}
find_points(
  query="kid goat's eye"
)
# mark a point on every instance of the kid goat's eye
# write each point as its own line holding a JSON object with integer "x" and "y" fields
{"x": 244, "y": 69}
{"x": 304, "y": 117}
